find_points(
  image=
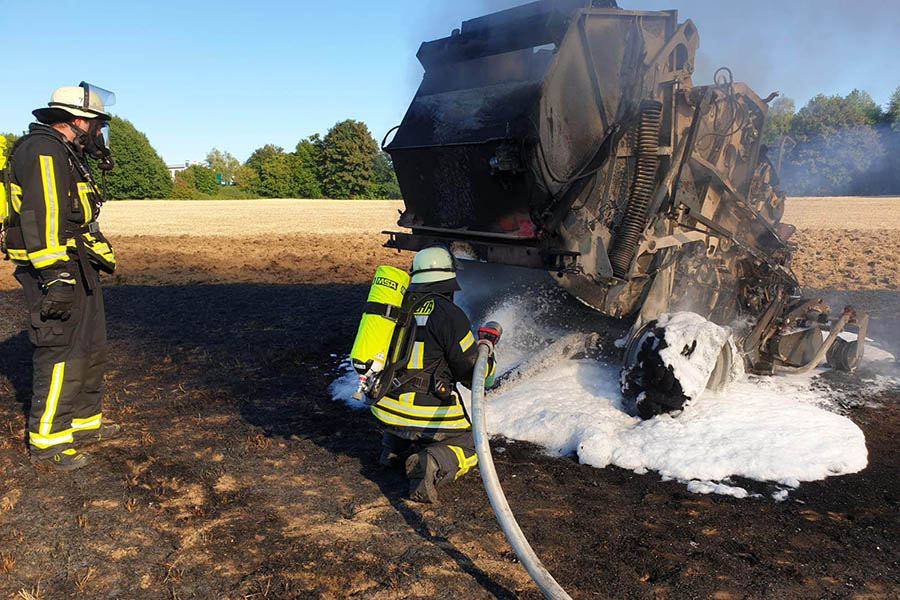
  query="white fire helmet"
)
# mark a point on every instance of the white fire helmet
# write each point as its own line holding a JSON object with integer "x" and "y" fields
{"x": 431, "y": 264}
{"x": 82, "y": 100}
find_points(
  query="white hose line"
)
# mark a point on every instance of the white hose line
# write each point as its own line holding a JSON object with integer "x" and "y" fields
{"x": 527, "y": 557}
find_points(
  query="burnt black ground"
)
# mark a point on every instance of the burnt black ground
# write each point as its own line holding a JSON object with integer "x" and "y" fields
{"x": 239, "y": 477}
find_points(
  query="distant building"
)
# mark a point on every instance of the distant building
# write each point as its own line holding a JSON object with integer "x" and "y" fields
{"x": 175, "y": 167}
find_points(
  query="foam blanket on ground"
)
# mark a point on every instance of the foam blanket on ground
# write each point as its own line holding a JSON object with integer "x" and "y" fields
{"x": 781, "y": 429}
{"x": 765, "y": 429}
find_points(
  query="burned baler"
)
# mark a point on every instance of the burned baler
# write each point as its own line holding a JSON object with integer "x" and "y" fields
{"x": 566, "y": 135}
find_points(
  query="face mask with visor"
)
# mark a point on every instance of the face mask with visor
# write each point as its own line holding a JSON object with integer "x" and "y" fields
{"x": 96, "y": 138}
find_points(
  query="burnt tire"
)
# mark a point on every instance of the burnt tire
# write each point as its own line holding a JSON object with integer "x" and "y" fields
{"x": 646, "y": 379}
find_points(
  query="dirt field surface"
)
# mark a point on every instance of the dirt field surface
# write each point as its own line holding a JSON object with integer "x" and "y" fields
{"x": 240, "y": 478}
{"x": 843, "y": 212}
{"x": 249, "y": 218}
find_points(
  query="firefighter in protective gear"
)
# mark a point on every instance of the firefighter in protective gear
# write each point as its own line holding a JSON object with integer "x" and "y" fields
{"x": 424, "y": 420}
{"x": 53, "y": 237}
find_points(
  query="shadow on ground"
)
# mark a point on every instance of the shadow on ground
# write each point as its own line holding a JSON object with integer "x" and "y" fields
{"x": 240, "y": 477}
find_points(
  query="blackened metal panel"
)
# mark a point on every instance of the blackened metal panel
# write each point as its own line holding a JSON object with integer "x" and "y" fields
{"x": 451, "y": 187}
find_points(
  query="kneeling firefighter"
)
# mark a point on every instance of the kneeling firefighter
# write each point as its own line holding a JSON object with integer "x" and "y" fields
{"x": 415, "y": 397}
{"x": 51, "y": 234}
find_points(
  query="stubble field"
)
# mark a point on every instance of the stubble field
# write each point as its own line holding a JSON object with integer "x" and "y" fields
{"x": 240, "y": 478}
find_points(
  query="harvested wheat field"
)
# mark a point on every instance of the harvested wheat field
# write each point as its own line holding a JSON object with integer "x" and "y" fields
{"x": 239, "y": 477}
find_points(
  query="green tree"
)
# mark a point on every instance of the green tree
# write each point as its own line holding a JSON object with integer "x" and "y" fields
{"x": 837, "y": 146}
{"x": 139, "y": 170}
{"x": 10, "y": 139}
{"x": 833, "y": 164}
{"x": 824, "y": 114}
{"x": 195, "y": 183}
{"x": 886, "y": 180}
{"x": 348, "y": 154}
{"x": 386, "y": 184}
{"x": 260, "y": 154}
{"x": 275, "y": 177}
{"x": 245, "y": 177}
{"x": 778, "y": 121}
{"x": 273, "y": 172}
{"x": 222, "y": 163}
{"x": 183, "y": 186}
{"x": 305, "y": 168}
{"x": 892, "y": 114}
{"x": 862, "y": 103}
{"x": 204, "y": 179}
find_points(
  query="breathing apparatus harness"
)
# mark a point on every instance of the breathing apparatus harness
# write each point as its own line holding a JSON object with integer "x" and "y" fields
{"x": 7, "y": 187}
{"x": 388, "y": 336}
{"x": 83, "y": 169}
{"x": 422, "y": 380}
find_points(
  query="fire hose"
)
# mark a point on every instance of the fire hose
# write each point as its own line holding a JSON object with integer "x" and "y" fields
{"x": 508, "y": 524}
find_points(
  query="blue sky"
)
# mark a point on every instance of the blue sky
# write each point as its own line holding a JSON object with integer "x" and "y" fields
{"x": 238, "y": 75}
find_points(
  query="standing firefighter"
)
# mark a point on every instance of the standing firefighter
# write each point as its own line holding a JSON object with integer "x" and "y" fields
{"x": 51, "y": 233}
{"x": 423, "y": 417}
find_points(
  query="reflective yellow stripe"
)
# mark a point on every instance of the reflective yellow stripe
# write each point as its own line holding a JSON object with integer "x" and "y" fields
{"x": 56, "y": 380}
{"x": 48, "y": 256}
{"x": 57, "y": 251}
{"x": 393, "y": 419}
{"x": 464, "y": 463}
{"x": 17, "y": 254}
{"x": 51, "y": 225}
{"x": 83, "y": 190}
{"x": 99, "y": 248}
{"x": 424, "y": 411}
{"x": 45, "y": 441}
{"x": 415, "y": 358}
{"x": 88, "y": 423}
{"x": 467, "y": 341}
{"x": 16, "y": 197}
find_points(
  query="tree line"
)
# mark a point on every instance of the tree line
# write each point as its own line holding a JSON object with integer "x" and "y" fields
{"x": 834, "y": 146}
{"x": 345, "y": 163}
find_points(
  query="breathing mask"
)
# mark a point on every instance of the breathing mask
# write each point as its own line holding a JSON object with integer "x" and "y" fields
{"x": 96, "y": 143}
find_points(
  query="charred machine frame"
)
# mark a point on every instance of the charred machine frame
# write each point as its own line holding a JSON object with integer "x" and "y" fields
{"x": 567, "y": 135}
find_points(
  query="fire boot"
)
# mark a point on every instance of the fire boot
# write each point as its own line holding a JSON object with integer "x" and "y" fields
{"x": 389, "y": 459}
{"x": 421, "y": 471}
{"x": 67, "y": 460}
{"x": 106, "y": 432}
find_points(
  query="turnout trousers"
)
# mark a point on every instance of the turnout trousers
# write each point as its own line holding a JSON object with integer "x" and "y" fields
{"x": 69, "y": 362}
{"x": 454, "y": 452}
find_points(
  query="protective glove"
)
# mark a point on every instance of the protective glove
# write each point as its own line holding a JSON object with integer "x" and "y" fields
{"x": 59, "y": 293}
{"x": 491, "y": 332}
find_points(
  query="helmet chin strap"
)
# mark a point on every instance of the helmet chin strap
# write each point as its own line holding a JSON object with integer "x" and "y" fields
{"x": 80, "y": 134}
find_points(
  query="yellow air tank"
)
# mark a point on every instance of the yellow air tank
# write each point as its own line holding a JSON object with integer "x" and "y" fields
{"x": 373, "y": 338}
{"x": 3, "y": 214}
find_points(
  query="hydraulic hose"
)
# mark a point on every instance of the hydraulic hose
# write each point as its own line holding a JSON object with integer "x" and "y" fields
{"x": 527, "y": 557}
{"x": 632, "y": 227}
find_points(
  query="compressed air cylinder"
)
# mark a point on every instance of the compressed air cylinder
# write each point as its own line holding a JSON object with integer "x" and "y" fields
{"x": 3, "y": 214}
{"x": 376, "y": 327}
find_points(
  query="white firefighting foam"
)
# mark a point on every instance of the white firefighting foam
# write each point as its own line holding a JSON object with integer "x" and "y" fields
{"x": 779, "y": 429}
{"x": 692, "y": 347}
